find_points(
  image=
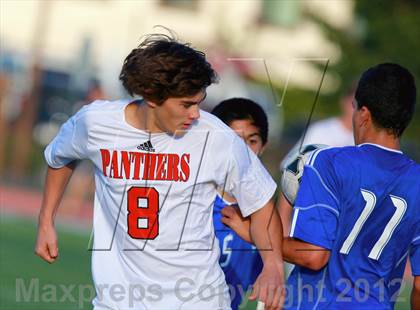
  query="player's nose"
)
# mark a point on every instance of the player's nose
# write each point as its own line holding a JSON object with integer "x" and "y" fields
{"x": 194, "y": 113}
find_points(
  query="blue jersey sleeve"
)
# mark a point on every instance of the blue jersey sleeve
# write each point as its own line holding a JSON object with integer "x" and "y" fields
{"x": 415, "y": 254}
{"x": 317, "y": 206}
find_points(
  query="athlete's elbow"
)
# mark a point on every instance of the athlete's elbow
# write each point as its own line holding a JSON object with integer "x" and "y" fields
{"x": 317, "y": 260}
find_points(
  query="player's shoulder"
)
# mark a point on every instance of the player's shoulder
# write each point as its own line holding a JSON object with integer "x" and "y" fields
{"x": 103, "y": 106}
{"x": 210, "y": 121}
{"x": 214, "y": 125}
{"x": 332, "y": 155}
{"x": 96, "y": 110}
{"x": 221, "y": 137}
{"x": 336, "y": 162}
{"x": 413, "y": 171}
{"x": 393, "y": 156}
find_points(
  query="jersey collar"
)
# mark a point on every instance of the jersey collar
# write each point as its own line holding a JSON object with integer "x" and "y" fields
{"x": 382, "y": 147}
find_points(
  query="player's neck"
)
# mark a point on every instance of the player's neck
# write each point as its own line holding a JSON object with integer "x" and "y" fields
{"x": 141, "y": 116}
{"x": 382, "y": 138}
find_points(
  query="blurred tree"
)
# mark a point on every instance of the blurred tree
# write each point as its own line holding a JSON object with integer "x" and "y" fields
{"x": 22, "y": 136}
{"x": 383, "y": 31}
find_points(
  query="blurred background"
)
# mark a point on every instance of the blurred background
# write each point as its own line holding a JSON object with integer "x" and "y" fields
{"x": 292, "y": 57}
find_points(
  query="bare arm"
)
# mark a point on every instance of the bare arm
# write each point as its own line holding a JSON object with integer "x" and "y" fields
{"x": 294, "y": 251}
{"x": 55, "y": 183}
{"x": 285, "y": 210}
{"x": 415, "y": 293}
{"x": 270, "y": 237}
{"x": 266, "y": 232}
{"x": 304, "y": 254}
{"x": 233, "y": 218}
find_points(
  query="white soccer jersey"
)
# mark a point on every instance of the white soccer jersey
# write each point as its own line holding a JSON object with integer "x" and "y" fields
{"x": 154, "y": 244}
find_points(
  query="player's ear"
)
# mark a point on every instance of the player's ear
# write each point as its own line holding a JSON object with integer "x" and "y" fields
{"x": 365, "y": 118}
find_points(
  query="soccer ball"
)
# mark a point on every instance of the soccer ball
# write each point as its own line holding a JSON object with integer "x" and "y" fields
{"x": 293, "y": 170}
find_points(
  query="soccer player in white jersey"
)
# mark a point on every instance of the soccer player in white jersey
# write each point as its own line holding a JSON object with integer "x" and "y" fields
{"x": 159, "y": 162}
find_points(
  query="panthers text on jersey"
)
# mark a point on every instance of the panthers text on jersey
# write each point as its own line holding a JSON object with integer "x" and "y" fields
{"x": 153, "y": 234}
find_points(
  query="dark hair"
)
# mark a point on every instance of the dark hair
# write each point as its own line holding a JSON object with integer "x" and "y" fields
{"x": 161, "y": 67}
{"x": 241, "y": 109}
{"x": 389, "y": 92}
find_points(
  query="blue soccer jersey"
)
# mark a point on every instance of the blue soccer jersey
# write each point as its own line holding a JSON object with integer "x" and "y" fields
{"x": 239, "y": 260}
{"x": 363, "y": 204}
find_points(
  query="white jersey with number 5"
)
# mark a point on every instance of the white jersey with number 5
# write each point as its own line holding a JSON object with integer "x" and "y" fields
{"x": 154, "y": 244}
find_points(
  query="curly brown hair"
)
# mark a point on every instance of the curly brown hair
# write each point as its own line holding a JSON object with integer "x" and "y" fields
{"x": 161, "y": 67}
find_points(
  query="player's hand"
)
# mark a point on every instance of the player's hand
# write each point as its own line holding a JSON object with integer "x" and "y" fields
{"x": 269, "y": 286}
{"x": 46, "y": 243}
{"x": 232, "y": 217}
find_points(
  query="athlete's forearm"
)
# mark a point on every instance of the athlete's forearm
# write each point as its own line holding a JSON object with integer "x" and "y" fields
{"x": 266, "y": 233}
{"x": 285, "y": 211}
{"x": 55, "y": 184}
{"x": 46, "y": 245}
{"x": 415, "y": 293}
{"x": 304, "y": 254}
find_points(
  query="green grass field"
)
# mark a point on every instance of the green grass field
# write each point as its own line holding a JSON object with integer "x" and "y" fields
{"x": 18, "y": 262}
{"x": 65, "y": 284}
